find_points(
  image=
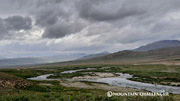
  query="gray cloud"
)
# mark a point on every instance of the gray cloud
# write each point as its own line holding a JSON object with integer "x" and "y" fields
{"x": 93, "y": 23}
{"x": 8, "y": 26}
{"x": 57, "y": 31}
{"x": 58, "y": 19}
{"x": 61, "y": 29}
{"x": 49, "y": 13}
{"x": 18, "y": 23}
{"x": 49, "y": 17}
{"x": 2, "y": 27}
{"x": 107, "y": 10}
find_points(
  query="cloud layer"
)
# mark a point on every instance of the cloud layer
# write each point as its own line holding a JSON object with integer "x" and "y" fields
{"x": 13, "y": 24}
{"x": 87, "y": 25}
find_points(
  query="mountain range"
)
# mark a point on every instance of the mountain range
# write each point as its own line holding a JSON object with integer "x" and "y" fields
{"x": 94, "y": 55}
{"x": 37, "y": 60}
{"x": 161, "y": 51}
{"x": 166, "y": 51}
{"x": 159, "y": 44}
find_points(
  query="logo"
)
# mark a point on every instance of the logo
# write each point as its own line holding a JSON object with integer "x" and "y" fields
{"x": 109, "y": 94}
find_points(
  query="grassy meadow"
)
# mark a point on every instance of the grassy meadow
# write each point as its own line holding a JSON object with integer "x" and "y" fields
{"x": 14, "y": 85}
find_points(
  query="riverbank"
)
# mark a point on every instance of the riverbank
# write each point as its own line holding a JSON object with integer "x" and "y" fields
{"x": 63, "y": 90}
{"x": 95, "y": 85}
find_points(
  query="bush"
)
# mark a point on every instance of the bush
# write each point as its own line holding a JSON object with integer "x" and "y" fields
{"x": 20, "y": 98}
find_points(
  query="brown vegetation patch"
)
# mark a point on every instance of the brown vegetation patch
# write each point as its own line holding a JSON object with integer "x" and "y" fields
{"x": 46, "y": 84}
{"x": 10, "y": 81}
{"x": 95, "y": 75}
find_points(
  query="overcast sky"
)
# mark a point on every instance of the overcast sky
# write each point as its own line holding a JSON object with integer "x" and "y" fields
{"x": 51, "y": 27}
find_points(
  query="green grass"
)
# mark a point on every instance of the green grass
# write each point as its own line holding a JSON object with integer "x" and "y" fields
{"x": 25, "y": 73}
{"x": 57, "y": 92}
{"x": 146, "y": 73}
{"x": 157, "y": 74}
{"x": 177, "y": 59}
{"x": 73, "y": 94}
{"x": 154, "y": 73}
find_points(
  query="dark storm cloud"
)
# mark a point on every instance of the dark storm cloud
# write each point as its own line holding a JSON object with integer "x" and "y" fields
{"x": 58, "y": 19}
{"x": 13, "y": 24}
{"x": 106, "y": 10}
{"x": 57, "y": 31}
{"x": 142, "y": 16}
{"x": 61, "y": 29}
{"x": 48, "y": 12}
{"x": 18, "y": 23}
{"x": 95, "y": 24}
{"x": 46, "y": 17}
{"x": 3, "y": 29}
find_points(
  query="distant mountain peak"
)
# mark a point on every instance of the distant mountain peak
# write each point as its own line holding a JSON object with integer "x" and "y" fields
{"x": 104, "y": 52}
{"x": 167, "y": 41}
{"x": 94, "y": 55}
{"x": 159, "y": 44}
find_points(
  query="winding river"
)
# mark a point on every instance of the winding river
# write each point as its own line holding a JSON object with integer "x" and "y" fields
{"x": 121, "y": 80}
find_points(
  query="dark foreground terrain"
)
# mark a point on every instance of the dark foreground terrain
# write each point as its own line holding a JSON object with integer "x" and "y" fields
{"x": 14, "y": 85}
